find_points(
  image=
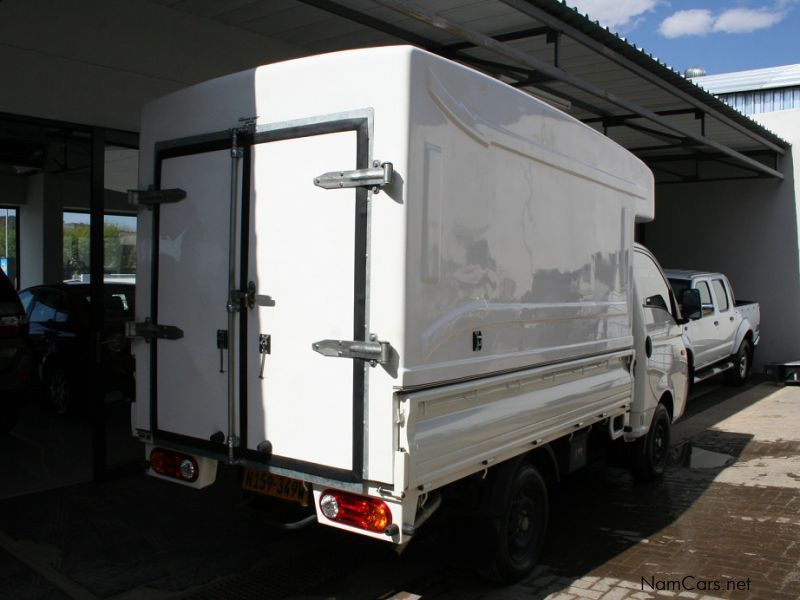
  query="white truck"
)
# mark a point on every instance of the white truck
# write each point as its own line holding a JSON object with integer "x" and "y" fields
{"x": 722, "y": 334}
{"x": 377, "y": 281}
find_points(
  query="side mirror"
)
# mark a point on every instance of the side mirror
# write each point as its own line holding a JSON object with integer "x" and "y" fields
{"x": 656, "y": 301}
{"x": 691, "y": 307}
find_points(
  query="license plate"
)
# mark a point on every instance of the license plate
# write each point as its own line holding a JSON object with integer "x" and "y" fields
{"x": 276, "y": 486}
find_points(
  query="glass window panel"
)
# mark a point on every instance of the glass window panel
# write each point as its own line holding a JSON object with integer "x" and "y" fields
{"x": 720, "y": 294}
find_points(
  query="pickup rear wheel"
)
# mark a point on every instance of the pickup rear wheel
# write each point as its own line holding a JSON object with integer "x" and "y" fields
{"x": 518, "y": 533}
{"x": 742, "y": 363}
{"x": 651, "y": 452}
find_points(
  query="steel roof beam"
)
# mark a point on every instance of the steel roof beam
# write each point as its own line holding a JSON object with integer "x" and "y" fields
{"x": 680, "y": 176}
{"x": 484, "y": 41}
{"x": 684, "y": 158}
{"x": 572, "y": 100}
{"x": 526, "y": 7}
{"x": 674, "y": 140}
{"x": 713, "y": 179}
{"x": 662, "y": 113}
{"x": 509, "y": 37}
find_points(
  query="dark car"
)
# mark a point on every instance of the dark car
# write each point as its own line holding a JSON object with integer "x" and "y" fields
{"x": 60, "y": 321}
{"x": 15, "y": 358}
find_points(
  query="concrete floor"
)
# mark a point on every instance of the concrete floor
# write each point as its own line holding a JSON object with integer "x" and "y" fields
{"x": 46, "y": 451}
{"x": 723, "y": 523}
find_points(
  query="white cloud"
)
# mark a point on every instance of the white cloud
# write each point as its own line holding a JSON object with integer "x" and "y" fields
{"x": 733, "y": 20}
{"x": 694, "y": 21}
{"x": 614, "y": 14}
{"x": 744, "y": 20}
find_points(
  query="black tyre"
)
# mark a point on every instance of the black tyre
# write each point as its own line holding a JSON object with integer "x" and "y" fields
{"x": 517, "y": 534}
{"x": 9, "y": 414}
{"x": 58, "y": 390}
{"x": 742, "y": 363}
{"x": 651, "y": 452}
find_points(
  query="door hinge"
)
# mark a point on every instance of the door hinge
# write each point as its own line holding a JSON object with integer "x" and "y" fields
{"x": 373, "y": 351}
{"x": 152, "y": 197}
{"x": 150, "y": 331}
{"x": 381, "y": 174}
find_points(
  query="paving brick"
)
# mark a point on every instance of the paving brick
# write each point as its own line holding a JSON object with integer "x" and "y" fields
{"x": 585, "y": 593}
{"x": 616, "y": 594}
{"x": 584, "y": 582}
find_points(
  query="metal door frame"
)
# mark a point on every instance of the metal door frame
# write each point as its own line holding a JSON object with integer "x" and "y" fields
{"x": 359, "y": 121}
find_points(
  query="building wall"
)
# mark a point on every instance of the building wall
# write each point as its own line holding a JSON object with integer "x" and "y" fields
{"x": 747, "y": 230}
{"x": 31, "y": 233}
{"x": 96, "y": 62}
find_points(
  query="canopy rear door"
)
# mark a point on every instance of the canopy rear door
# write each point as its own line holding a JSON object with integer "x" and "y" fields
{"x": 307, "y": 260}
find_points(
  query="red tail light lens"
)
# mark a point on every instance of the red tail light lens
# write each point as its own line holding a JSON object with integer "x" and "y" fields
{"x": 363, "y": 512}
{"x": 174, "y": 464}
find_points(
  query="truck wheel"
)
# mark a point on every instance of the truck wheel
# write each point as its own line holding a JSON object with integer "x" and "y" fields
{"x": 742, "y": 359}
{"x": 518, "y": 533}
{"x": 650, "y": 452}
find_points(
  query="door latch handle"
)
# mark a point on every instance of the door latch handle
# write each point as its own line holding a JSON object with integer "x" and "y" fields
{"x": 222, "y": 344}
{"x": 252, "y": 299}
{"x": 264, "y": 348}
{"x": 716, "y": 322}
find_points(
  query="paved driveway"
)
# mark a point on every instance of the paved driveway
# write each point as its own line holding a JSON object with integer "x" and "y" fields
{"x": 723, "y": 523}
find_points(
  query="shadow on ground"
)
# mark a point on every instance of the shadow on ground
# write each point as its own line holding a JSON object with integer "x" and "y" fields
{"x": 138, "y": 537}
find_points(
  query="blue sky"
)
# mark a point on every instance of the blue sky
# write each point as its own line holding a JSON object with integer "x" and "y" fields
{"x": 720, "y": 36}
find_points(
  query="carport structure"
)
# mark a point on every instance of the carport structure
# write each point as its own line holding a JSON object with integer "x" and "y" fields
{"x": 119, "y": 55}
{"x": 549, "y": 50}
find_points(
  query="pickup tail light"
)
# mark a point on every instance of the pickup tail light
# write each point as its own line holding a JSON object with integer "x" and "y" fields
{"x": 177, "y": 465}
{"x": 363, "y": 512}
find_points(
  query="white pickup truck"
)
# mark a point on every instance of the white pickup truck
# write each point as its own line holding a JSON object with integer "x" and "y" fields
{"x": 721, "y": 334}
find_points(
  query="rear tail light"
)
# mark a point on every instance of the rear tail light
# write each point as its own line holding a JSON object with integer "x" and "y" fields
{"x": 13, "y": 326}
{"x": 363, "y": 512}
{"x": 174, "y": 464}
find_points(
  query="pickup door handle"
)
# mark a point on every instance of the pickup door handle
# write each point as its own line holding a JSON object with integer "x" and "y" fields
{"x": 716, "y": 322}
{"x": 731, "y": 318}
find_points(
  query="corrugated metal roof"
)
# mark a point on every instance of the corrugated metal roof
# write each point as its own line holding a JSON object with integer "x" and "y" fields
{"x": 598, "y": 77}
{"x": 754, "y": 79}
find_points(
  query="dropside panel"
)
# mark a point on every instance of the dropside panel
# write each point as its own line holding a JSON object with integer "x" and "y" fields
{"x": 302, "y": 255}
{"x": 454, "y": 431}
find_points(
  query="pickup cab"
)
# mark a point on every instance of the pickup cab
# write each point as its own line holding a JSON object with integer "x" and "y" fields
{"x": 721, "y": 334}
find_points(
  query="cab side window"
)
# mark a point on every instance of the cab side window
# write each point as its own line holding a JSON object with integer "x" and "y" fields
{"x": 705, "y": 298}
{"x": 721, "y": 295}
{"x": 653, "y": 288}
